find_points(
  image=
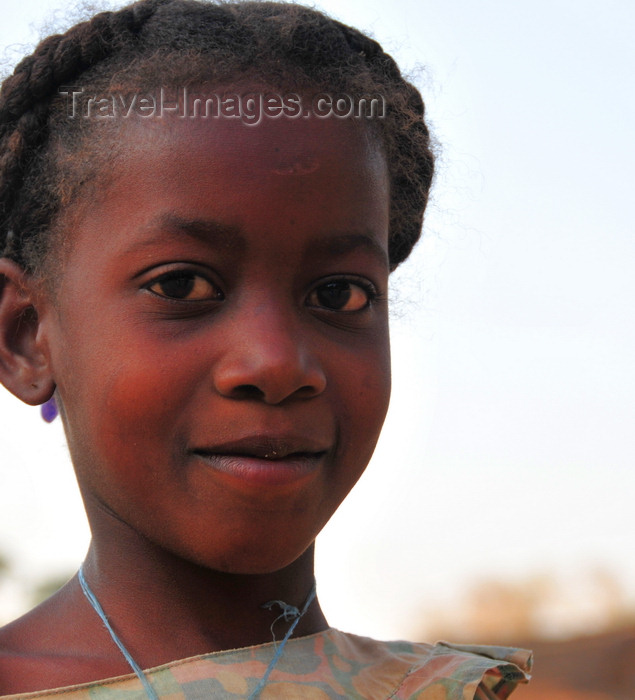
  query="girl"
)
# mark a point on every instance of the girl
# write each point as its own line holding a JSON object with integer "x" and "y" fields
{"x": 201, "y": 204}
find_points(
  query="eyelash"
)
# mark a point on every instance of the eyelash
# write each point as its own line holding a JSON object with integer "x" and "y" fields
{"x": 194, "y": 278}
{"x": 370, "y": 293}
{"x": 190, "y": 276}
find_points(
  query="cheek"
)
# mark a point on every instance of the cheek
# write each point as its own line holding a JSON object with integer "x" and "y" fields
{"x": 118, "y": 403}
{"x": 143, "y": 399}
{"x": 364, "y": 398}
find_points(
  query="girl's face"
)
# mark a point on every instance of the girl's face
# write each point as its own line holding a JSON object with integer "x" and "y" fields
{"x": 220, "y": 339}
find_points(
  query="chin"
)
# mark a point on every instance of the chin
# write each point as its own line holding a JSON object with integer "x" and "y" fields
{"x": 260, "y": 564}
{"x": 251, "y": 559}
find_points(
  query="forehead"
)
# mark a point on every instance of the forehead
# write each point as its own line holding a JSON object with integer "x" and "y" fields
{"x": 302, "y": 178}
{"x": 304, "y": 157}
{"x": 276, "y": 146}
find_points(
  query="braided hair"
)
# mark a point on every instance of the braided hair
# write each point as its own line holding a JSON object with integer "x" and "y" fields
{"x": 45, "y": 157}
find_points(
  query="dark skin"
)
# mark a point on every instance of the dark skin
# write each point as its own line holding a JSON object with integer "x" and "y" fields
{"x": 218, "y": 345}
{"x": 47, "y": 648}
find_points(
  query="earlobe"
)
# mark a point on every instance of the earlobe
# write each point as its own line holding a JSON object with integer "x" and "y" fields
{"x": 24, "y": 366}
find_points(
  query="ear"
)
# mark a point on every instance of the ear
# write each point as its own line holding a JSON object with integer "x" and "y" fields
{"x": 24, "y": 366}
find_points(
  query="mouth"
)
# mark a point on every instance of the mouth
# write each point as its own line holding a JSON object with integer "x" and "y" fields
{"x": 265, "y": 460}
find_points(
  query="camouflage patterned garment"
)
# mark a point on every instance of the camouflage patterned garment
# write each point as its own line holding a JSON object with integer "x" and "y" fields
{"x": 326, "y": 666}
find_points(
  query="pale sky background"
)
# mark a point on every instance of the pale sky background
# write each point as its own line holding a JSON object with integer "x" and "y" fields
{"x": 509, "y": 448}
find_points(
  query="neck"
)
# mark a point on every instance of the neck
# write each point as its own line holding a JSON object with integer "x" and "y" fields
{"x": 165, "y": 608}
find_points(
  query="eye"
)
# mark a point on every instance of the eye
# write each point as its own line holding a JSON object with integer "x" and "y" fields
{"x": 185, "y": 285}
{"x": 342, "y": 295}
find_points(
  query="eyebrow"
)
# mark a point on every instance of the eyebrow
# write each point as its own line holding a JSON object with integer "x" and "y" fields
{"x": 208, "y": 231}
{"x": 348, "y": 242}
{"x": 230, "y": 238}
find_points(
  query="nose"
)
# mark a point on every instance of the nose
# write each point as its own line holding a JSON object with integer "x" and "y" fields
{"x": 268, "y": 357}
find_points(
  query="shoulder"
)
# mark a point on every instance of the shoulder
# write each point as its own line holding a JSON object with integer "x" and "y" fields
{"x": 342, "y": 665}
{"x": 46, "y": 648}
{"x": 418, "y": 670}
{"x": 329, "y": 664}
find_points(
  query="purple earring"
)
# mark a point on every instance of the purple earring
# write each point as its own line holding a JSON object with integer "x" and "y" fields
{"x": 49, "y": 410}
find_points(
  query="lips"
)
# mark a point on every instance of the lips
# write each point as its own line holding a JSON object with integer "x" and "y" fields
{"x": 265, "y": 460}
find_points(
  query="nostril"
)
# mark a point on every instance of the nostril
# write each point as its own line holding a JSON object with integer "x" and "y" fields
{"x": 307, "y": 391}
{"x": 264, "y": 373}
{"x": 247, "y": 391}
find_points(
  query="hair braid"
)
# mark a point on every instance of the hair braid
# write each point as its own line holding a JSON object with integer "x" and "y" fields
{"x": 412, "y": 181}
{"x": 26, "y": 95}
{"x": 45, "y": 158}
